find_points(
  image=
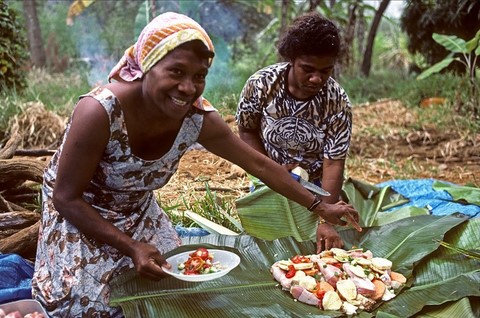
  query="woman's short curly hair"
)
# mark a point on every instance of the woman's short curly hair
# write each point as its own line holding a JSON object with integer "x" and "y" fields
{"x": 310, "y": 34}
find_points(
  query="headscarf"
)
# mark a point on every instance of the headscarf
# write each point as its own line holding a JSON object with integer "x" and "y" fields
{"x": 162, "y": 35}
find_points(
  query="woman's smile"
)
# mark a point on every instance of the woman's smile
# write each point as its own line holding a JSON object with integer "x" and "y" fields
{"x": 178, "y": 102}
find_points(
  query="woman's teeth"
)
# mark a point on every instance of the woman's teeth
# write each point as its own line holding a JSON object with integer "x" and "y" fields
{"x": 179, "y": 102}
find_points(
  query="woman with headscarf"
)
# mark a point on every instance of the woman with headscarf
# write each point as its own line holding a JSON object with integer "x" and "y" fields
{"x": 123, "y": 141}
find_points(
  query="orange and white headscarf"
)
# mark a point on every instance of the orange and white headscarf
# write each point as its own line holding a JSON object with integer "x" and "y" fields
{"x": 162, "y": 35}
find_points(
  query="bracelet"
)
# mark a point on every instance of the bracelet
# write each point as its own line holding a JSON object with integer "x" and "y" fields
{"x": 321, "y": 221}
{"x": 316, "y": 202}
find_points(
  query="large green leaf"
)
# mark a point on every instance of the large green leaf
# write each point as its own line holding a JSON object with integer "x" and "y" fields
{"x": 436, "y": 68}
{"x": 405, "y": 242}
{"x": 268, "y": 215}
{"x": 442, "y": 276}
{"x": 462, "y": 308}
{"x": 459, "y": 193}
{"x": 402, "y": 213}
{"x": 474, "y": 43}
{"x": 247, "y": 291}
{"x": 451, "y": 42}
{"x": 370, "y": 200}
{"x": 250, "y": 291}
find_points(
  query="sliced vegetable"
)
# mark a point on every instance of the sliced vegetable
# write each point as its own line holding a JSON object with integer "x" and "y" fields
{"x": 291, "y": 271}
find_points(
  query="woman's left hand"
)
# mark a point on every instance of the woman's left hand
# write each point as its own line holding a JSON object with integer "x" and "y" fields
{"x": 327, "y": 237}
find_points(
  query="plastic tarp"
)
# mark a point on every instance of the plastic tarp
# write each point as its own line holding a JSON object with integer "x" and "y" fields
{"x": 15, "y": 278}
{"x": 439, "y": 197}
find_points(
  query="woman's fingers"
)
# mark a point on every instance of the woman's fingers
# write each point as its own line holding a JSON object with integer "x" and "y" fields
{"x": 350, "y": 216}
{"x": 351, "y": 220}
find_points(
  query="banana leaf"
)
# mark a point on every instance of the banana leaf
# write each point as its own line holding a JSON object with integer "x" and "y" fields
{"x": 460, "y": 193}
{"x": 445, "y": 275}
{"x": 371, "y": 200}
{"x": 250, "y": 290}
{"x": 268, "y": 215}
{"x": 383, "y": 218}
{"x": 462, "y": 308}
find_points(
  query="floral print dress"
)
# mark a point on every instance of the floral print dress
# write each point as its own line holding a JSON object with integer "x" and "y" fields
{"x": 72, "y": 271}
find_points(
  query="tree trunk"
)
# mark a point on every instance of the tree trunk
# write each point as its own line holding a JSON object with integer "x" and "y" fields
{"x": 360, "y": 31}
{"x": 347, "y": 56}
{"x": 313, "y": 4}
{"x": 367, "y": 56}
{"x": 284, "y": 21}
{"x": 37, "y": 51}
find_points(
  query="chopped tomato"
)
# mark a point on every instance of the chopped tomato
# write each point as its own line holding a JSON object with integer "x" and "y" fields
{"x": 201, "y": 252}
{"x": 320, "y": 293}
{"x": 194, "y": 264}
{"x": 338, "y": 265}
{"x": 291, "y": 271}
{"x": 300, "y": 259}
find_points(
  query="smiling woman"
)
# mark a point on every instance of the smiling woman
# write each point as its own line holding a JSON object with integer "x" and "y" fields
{"x": 124, "y": 141}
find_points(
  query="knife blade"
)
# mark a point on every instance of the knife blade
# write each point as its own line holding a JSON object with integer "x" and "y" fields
{"x": 310, "y": 186}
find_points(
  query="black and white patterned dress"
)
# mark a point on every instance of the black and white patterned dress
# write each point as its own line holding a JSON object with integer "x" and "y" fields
{"x": 72, "y": 272}
{"x": 293, "y": 130}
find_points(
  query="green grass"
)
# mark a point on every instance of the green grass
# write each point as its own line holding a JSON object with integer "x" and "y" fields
{"x": 211, "y": 206}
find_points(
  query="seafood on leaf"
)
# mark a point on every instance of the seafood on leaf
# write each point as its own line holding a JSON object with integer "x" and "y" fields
{"x": 338, "y": 279}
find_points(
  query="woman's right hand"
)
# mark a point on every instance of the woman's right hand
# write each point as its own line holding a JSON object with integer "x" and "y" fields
{"x": 148, "y": 261}
{"x": 339, "y": 213}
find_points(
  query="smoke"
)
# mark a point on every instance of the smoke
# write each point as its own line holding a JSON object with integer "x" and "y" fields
{"x": 92, "y": 50}
{"x": 221, "y": 21}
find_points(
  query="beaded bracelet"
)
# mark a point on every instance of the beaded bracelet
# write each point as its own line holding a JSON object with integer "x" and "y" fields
{"x": 315, "y": 203}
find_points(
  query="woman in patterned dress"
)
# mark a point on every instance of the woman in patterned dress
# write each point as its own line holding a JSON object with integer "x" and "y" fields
{"x": 298, "y": 115}
{"x": 123, "y": 141}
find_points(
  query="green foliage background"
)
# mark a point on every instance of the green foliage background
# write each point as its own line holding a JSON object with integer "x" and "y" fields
{"x": 13, "y": 50}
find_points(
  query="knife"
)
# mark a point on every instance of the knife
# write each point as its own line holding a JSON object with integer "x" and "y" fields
{"x": 310, "y": 186}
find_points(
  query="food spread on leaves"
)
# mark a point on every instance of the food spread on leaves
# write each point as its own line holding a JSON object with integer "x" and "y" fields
{"x": 338, "y": 279}
{"x": 200, "y": 262}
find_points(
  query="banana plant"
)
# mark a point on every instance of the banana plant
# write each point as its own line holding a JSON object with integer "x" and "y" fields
{"x": 468, "y": 51}
{"x": 465, "y": 52}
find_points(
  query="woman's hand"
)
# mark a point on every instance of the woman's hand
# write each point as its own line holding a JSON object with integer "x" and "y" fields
{"x": 339, "y": 213}
{"x": 148, "y": 261}
{"x": 327, "y": 237}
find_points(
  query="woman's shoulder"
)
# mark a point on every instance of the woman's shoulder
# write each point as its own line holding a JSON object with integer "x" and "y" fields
{"x": 100, "y": 93}
{"x": 334, "y": 87}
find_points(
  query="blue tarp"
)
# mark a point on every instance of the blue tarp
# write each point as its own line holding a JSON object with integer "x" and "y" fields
{"x": 190, "y": 231}
{"x": 15, "y": 278}
{"x": 422, "y": 194}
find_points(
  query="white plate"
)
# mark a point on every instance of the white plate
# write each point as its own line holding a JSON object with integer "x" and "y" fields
{"x": 227, "y": 259}
{"x": 24, "y": 306}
